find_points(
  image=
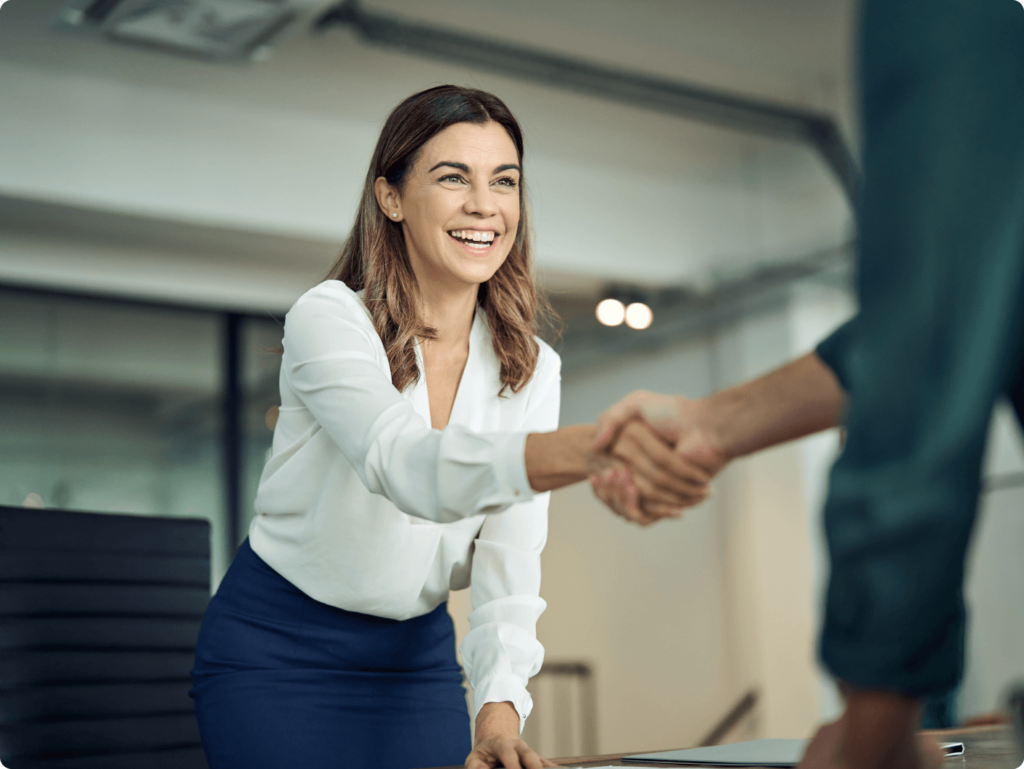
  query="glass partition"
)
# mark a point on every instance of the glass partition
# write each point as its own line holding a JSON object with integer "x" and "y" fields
{"x": 260, "y": 342}
{"x": 112, "y": 407}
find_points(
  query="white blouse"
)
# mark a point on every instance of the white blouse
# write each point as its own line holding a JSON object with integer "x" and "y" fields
{"x": 363, "y": 506}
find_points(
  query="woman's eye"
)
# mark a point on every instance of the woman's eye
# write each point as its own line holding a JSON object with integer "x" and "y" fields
{"x": 507, "y": 181}
{"x": 451, "y": 178}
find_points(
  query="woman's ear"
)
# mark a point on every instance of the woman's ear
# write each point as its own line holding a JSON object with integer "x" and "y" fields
{"x": 388, "y": 199}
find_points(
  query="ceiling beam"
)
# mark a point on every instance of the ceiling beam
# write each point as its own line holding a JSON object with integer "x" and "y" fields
{"x": 694, "y": 102}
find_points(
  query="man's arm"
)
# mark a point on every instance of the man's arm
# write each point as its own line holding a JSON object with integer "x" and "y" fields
{"x": 801, "y": 398}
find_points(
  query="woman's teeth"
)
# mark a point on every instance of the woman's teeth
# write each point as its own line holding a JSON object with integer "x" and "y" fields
{"x": 474, "y": 238}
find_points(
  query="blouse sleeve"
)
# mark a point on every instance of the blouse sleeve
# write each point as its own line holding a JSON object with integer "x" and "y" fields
{"x": 331, "y": 363}
{"x": 501, "y": 651}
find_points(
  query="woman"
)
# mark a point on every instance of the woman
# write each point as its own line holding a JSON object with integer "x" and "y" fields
{"x": 417, "y": 425}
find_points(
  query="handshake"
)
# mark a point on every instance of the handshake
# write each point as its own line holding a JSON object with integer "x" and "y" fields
{"x": 653, "y": 456}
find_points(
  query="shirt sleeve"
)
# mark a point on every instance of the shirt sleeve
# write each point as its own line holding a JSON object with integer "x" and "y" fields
{"x": 331, "y": 362}
{"x": 835, "y": 350}
{"x": 501, "y": 651}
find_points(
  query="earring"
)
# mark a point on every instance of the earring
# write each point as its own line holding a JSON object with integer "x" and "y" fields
{"x": 394, "y": 215}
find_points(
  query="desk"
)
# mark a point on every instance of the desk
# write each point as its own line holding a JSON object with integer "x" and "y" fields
{"x": 985, "y": 747}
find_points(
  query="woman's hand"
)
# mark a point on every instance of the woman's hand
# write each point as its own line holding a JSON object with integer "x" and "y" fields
{"x": 660, "y": 478}
{"x": 497, "y": 741}
{"x": 508, "y": 752}
{"x": 625, "y": 431}
{"x": 652, "y": 480}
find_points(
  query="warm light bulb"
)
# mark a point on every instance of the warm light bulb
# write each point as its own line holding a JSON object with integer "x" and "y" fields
{"x": 639, "y": 315}
{"x": 611, "y": 312}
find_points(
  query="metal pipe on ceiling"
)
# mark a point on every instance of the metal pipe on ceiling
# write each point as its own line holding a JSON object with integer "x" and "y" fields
{"x": 681, "y": 315}
{"x": 694, "y": 102}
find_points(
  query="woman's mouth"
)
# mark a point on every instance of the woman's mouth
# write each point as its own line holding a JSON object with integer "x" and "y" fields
{"x": 474, "y": 241}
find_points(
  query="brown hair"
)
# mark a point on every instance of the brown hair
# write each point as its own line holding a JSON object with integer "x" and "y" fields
{"x": 374, "y": 256}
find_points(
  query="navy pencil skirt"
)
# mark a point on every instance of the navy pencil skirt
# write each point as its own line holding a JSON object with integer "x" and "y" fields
{"x": 282, "y": 680}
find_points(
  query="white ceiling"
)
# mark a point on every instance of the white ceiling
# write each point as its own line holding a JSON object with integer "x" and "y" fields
{"x": 795, "y": 51}
{"x": 280, "y": 146}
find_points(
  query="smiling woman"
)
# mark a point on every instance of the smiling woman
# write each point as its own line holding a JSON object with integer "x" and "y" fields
{"x": 449, "y": 174}
{"x": 417, "y": 434}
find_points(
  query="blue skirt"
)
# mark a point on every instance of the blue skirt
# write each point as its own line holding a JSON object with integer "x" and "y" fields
{"x": 282, "y": 680}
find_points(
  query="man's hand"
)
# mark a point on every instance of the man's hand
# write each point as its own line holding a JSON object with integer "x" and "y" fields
{"x": 877, "y": 731}
{"x": 665, "y": 413}
{"x": 497, "y": 741}
{"x": 649, "y": 480}
{"x": 686, "y": 471}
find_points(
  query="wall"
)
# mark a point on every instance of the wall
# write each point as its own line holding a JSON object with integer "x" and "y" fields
{"x": 995, "y": 576}
{"x": 646, "y": 607}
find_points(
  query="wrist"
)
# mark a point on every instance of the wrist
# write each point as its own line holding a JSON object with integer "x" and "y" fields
{"x": 559, "y": 458}
{"x": 496, "y": 720}
{"x": 710, "y": 417}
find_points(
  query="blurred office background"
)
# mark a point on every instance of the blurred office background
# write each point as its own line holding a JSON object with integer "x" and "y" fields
{"x": 160, "y": 210}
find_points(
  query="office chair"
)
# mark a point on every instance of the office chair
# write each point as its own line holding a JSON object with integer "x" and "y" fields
{"x": 99, "y": 616}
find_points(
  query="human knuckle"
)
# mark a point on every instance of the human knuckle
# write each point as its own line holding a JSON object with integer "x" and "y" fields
{"x": 663, "y": 460}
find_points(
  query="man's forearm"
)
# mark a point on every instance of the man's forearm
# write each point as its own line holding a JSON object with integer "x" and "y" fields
{"x": 801, "y": 398}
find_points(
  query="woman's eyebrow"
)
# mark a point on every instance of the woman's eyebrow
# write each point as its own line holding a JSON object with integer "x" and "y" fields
{"x": 461, "y": 166}
{"x": 508, "y": 167}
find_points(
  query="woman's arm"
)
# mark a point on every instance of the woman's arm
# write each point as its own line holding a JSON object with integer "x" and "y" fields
{"x": 335, "y": 364}
{"x": 501, "y": 652}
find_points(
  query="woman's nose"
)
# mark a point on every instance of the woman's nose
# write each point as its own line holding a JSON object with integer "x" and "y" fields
{"x": 481, "y": 201}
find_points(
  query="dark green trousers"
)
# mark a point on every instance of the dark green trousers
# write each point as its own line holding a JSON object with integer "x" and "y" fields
{"x": 939, "y": 337}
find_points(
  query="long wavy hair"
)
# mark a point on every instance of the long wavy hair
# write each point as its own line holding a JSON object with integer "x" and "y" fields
{"x": 374, "y": 257}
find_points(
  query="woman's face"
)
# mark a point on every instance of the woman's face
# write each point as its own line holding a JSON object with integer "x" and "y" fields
{"x": 460, "y": 206}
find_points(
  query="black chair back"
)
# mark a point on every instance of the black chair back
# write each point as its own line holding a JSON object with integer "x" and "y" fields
{"x": 99, "y": 616}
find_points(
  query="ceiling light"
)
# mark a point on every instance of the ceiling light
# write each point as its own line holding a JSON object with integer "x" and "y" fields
{"x": 638, "y": 315}
{"x": 611, "y": 312}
